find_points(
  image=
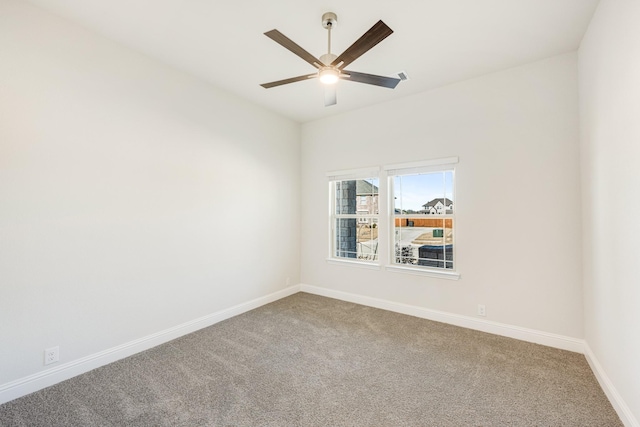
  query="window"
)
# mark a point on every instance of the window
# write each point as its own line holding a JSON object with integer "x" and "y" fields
{"x": 418, "y": 219}
{"x": 422, "y": 218}
{"x": 354, "y": 215}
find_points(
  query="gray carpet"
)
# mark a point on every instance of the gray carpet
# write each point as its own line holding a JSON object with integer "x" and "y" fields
{"x": 312, "y": 361}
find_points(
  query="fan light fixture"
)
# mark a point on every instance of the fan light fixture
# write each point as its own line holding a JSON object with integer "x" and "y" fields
{"x": 328, "y": 75}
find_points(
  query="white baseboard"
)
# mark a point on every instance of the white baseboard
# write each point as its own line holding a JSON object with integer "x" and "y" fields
{"x": 616, "y": 400}
{"x": 32, "y": 383}
{"x": 523, "y": 334}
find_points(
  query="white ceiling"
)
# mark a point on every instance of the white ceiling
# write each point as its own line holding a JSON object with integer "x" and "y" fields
{"x": 435, "y": 41}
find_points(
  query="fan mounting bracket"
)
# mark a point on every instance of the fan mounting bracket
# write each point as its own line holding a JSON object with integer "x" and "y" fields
{"x": 329, "y": 20}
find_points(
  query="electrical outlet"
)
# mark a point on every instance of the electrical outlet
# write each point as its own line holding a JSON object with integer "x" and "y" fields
{"x": 481, "y": 310}
{"x": 51, "y": 355}
{"x": 288, "y": 281}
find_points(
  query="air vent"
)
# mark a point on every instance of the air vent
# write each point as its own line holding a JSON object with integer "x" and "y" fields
{"x": 403, "y": 75}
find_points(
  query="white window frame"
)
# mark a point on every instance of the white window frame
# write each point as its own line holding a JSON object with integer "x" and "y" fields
{"x": 430, "y": 166}
{"x": 348, "y": 175}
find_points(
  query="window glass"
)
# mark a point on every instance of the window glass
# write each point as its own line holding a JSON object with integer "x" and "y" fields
{"x": 423, "y": 219}
{"x": 355, "y": 219}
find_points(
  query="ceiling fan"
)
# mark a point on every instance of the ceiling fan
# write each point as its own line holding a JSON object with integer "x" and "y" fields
{"x": 331, "y": 67}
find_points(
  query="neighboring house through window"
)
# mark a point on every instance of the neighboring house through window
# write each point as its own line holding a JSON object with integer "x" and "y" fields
{"x": 437, "y": 206}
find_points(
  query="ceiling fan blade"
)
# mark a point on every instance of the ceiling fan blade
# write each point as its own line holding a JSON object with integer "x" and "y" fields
{"x": 370, "y": 79}
{"x": 330, "y": 96}
{"x": 290, "y": 45}
{"x": 375, "y": 35}
{"x": 290, "y": 80}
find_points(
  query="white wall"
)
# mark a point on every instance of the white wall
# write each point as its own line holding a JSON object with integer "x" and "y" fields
{"x": 133, "y": 197}
{"x": 609, "y": 70}
{"x": 518, "y": 193}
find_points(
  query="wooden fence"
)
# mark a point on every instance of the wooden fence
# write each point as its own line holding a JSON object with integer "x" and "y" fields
{"x": 424, "y": 222}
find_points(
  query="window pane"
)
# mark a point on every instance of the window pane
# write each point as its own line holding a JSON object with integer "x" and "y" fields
{"x": 428, "y": 193}
{"x": 357, "y": 238}
{"x": 357, "y": 196}
{"x": 424, "y": 241}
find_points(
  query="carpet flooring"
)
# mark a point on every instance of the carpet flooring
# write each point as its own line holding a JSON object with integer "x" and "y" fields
{"x": 307, "y": 360}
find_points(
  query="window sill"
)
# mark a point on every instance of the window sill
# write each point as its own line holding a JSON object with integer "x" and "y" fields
{"x": 359, "y": 264}
{"x": 450, "y": 275}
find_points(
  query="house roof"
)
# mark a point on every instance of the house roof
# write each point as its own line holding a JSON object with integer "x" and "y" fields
{"x": 365, "y": 188}
{"x": 445, "y": 201}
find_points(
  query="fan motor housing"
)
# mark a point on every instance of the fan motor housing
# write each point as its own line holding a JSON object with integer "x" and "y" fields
{"x": 327, "y": 58}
